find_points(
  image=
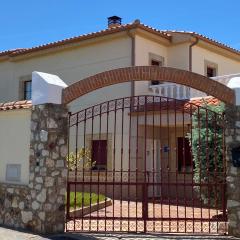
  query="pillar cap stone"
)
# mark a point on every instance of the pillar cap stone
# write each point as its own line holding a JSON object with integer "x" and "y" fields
{"x": 46, "y": 88}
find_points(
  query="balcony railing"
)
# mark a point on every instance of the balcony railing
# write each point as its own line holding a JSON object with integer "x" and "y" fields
{"x": 171, "y": 90}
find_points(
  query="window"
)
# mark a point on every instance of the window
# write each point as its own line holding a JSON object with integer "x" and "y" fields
{"x": 210, "y": 69}
{"x": 27, "y": 88}
{"x": 185, "y": 162}
{"x": 155, "y": 63}
{"x": 99, "y": 154}
{"x": 155, "y": 60}
{"x": 211, "y": 72}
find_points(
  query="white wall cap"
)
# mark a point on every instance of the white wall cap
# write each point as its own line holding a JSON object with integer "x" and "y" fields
{"x": 46, "y": 88}
{"x": 234, "y": 83}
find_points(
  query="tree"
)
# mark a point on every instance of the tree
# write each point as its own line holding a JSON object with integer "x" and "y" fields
{"x": 206, "y": 139}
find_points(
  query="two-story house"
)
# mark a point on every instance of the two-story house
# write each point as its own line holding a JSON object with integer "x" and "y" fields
{"x": 121, "y": 45}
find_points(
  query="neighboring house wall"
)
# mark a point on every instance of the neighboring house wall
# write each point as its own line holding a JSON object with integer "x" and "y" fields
{"x": 14, "y": 143}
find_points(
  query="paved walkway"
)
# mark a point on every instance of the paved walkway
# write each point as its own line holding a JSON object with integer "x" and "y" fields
{"x": 9, "y": 234}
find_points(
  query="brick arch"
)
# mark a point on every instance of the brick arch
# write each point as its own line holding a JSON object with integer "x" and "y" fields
{"x": 149, "y": 73}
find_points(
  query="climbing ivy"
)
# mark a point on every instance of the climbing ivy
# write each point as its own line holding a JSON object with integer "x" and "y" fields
{"x": 206, "y": 140}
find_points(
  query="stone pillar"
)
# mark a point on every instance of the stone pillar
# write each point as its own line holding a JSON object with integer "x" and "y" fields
{"x": 232, "y": 135}
{"x": 48, "y": 171}
{"x": 40, "y": 206}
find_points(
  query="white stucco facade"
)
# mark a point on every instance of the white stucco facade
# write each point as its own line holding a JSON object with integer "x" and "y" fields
{"x": 70, "y": 65}
{"x": 14, "y": 143}
{"x": 225, "y": 65}
{"x": 77, "y": 61}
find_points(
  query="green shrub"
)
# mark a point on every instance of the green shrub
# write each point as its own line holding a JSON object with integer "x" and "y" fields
{"x": 207, "y": 150}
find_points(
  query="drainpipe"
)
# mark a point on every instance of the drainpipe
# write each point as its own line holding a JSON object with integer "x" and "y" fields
{"x": 131, "y": 35}
{"x": 190, "y": 53}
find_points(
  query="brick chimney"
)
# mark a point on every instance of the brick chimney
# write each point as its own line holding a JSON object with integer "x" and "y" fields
{"x": 114, "y": 21}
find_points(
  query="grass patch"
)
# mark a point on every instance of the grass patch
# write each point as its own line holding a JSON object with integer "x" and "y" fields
{"x": 84, "y": 198}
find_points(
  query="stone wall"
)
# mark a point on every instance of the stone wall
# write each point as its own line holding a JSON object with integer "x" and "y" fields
{"x": 39, "y": 206}
{"x": 232, "y": 135}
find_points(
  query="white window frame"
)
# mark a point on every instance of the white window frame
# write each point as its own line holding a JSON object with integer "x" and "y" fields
{"x": 22, "y": 81}
{"x": 157, "y": 58}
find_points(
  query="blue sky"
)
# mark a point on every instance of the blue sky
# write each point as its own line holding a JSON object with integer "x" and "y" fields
{"x": 26, "y": 23}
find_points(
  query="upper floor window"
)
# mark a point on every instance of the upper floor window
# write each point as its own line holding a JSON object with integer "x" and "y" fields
{"x": 156, "y": 63}
{"x": 155, "y": 60}
{"x": 27, "y": 88}
{"x": 211, "y": 72}
{"x": 210, "y": 69}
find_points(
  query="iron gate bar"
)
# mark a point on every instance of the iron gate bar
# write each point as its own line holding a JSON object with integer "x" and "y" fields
{"x": 133, "y": 118}
{"x": 92, "y": 122}
{"x": 184, "y": 168}
{"x": 144, "y": 197}
{"x": 168, "y": 163}
{"x": 224, "y": 200}
{"x": 199, "y": 125}
{"x": 121, "y": 158}
{"x": 106, "y": 168}
{"x": 161, "y": 156}
{"x": 215, "y": 160}
{"x": 207, "y": 153}
{"x": 114, "y": 160}
{"x": 153, "y": 162}
{"x": 129, "y": 157}
{"x": 192, "y": 169}
{"x": 99, "y": 137}
{"x": 176, "y": 165}
{"x": 76, "y": 167}
{"x": 136, "y": 194}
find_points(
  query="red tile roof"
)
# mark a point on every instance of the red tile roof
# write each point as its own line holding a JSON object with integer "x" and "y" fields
{"x": 104, "y": 32}
{"x": 15, "y": 105}
{"x": 26, "y": 104}
{"x": 205, "y": 100}
{"x": 11, "y": 51}
{"x": 136, "y": 24}
{"x": 178, "y": 105}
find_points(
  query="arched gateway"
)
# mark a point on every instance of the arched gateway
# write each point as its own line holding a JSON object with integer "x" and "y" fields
{"x": 149, "y": 73}
{"x": 147, "y": 163}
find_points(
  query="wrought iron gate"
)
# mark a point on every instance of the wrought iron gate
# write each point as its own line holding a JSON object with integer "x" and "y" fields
{"x": 146, "y": 164}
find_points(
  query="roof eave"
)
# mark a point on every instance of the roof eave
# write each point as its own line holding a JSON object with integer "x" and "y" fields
{"x": 74, "y": 40}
